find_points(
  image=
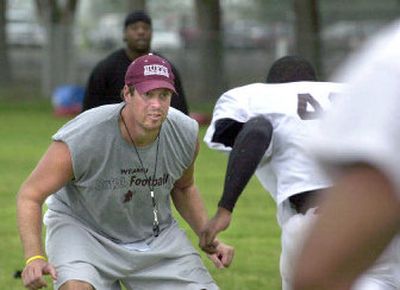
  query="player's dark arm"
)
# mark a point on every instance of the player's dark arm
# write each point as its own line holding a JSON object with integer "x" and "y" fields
{"x": 249, "y": 142}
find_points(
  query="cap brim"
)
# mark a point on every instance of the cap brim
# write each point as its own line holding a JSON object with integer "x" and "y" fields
{"x": 145, "y": 87}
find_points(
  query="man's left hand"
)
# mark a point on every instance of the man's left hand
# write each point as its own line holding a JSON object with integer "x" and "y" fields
{"x": 223, "y": 256}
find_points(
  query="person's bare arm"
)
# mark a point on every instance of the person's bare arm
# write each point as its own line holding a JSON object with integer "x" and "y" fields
{"x": 187, "y": 199}
{"x": 51, "y": 173}
{"x": 358, "y": 219}
{"x": 190, "y": 205}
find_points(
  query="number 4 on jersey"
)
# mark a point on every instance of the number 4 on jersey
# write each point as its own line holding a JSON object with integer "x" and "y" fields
{"x": 302, "y": 101}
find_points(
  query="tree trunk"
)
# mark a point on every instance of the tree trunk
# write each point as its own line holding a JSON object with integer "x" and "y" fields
{"x": 210, "y": 51}
{"x": 308, "y": 43}
{"x": 58, "y": 64}
{"x": 58, "y": 58}
{"x": 133, "y": 5}
{"x": 5, "y": 67}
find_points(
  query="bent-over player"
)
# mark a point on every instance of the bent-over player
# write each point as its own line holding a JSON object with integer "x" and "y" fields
{"x": 266, "y": 127}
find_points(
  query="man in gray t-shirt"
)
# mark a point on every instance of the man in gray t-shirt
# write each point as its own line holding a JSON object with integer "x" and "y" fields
{"x": 107, "y": 179}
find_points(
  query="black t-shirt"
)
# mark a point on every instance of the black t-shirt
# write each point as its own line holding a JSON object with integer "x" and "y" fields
{"x": 107, "y": 80}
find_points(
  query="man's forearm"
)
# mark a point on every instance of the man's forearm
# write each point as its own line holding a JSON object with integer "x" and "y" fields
{"x": 29, "y": 217}
{"x": 191, "y": 207}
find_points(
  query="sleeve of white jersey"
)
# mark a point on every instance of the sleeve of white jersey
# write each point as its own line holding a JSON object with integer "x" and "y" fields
{"x": 364, "y": 125}
{"x": 229, "y": 105}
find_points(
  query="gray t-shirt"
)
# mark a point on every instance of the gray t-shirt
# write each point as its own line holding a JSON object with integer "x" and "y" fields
{"x": 110, "y": 193}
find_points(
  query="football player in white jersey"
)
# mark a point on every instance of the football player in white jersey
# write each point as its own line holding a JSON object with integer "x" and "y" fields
{"x": 364, "y": 206}
{"x": 265, "y": 128}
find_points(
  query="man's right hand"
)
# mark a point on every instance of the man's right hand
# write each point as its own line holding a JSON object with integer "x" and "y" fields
{"x": 218, "y": 223}
{"x": 33, "y": 273}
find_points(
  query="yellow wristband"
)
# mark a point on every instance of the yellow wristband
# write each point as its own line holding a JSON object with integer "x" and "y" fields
{"x": 37, "y": 257}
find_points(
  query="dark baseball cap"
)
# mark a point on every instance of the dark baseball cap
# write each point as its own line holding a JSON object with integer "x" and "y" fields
{"x": 135, "y": 16}
{"x": 150, "y": 72}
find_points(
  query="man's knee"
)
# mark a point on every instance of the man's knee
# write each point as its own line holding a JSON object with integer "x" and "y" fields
{"x": 76, "y": 285}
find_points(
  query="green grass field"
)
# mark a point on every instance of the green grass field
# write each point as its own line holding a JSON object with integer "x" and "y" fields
{"x": 25, "y": 129}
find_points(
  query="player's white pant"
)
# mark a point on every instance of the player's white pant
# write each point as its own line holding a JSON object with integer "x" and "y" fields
{"x": 294, "y": 232}
{"x": 381, "y": 276}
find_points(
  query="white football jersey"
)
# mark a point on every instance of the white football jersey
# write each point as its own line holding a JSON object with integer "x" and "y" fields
{"x": 293, "y": 109}
{"x": 364, "y": 126}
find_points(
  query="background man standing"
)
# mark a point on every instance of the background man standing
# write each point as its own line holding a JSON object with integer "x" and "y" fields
{"x": 107, "y": 79}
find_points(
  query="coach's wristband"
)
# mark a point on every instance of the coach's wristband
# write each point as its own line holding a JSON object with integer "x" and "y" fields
{"x": 33, "y": 258}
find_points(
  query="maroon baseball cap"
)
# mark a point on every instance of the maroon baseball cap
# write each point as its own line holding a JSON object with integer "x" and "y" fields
{"x": 150, "y": 72}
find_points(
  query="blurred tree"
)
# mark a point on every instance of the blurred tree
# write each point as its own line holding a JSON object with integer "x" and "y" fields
{"x": 211, "y": 61}
{"x": 5, "y": 68}
{"x": 58, "y": 18}
{"x": 307, "y": 28}
{"x": 136, "y": 5}
{"x": 98, "y": 8}
{"x": 271, "y": 10}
